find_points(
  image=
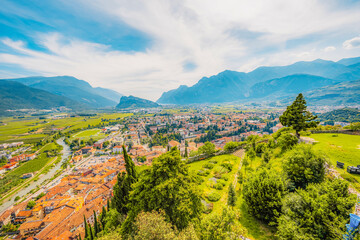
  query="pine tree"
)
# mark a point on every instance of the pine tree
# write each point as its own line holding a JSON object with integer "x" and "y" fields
{"x": 297, "y": 116}
{"x": 124, "y": 185}
{"x": 231, "y": 196}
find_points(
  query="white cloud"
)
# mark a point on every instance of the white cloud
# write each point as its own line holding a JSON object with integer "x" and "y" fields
{"x": 329, "y": 49}
{"x": 352, "y": 43}
{"x": 198, "y": 31}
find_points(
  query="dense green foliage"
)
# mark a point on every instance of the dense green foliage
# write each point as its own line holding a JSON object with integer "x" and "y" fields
{"x": 167, "y": 185}
{"x": 303, "y": 166}
{"x": 220, "y": 226}
{"x": 263, "y": 193}
{"x": 124, "y": 185}
{"x": 297, "y": 116}
{"x": 208, "y": 148}
{"x": 341, "y": 115}
{"x": 319, "y": 212}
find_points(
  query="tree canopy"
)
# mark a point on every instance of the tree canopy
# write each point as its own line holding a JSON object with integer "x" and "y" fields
{"x": 167, "y": 185}
{"x": 297, "y": 116}
{"x": 303, "y": 166}
{"x": 318, "y": 212}
{"x": 124, "y": 184}
{"x": 263, "y": 193}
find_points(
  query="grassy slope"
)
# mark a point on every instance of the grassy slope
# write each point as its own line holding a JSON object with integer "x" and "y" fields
{"x": 343, "y": 148}
{"x": 206, "y": 185}
{"x": 255, "y": 228}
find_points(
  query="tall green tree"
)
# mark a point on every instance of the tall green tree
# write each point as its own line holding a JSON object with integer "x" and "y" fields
{"x": 263, "y": 193}
{"x": 124, "y": 184}
{"x": 231, "y": 196}
{"x": 303, "y": 166}
{"x": 86, "y": 227}
{"x": 96, "y": 225}
{"x": 297, "y": 116}
{"x": 169, "y": 186}
{"x": 208, "y": 148}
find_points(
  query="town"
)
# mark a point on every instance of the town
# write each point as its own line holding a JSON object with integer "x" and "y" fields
{"x": 57, "y": 209}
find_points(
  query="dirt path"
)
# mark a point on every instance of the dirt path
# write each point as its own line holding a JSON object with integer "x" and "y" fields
{"x": 239, "y": 153}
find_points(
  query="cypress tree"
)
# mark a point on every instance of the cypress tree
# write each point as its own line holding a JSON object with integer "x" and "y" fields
{"x": 231, "y": 196}
{"x": 102, "y": 217}
{"x": 96, "y": 225}
{"x": 124, "y": 185}
{"x": 91, "y": 232}
{"x": 86, "y": 228}
{"x": 108, "y": 205}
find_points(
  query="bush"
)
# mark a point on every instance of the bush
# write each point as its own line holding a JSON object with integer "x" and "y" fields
{"x": 319, "y": 212}
{"x": 303, "y": 166}
{"x": 222, "y": 182}
{"x": 213, "y": 197}
{"x": 208, "y": 165}
{"x": 260, "y": 148}
{"x": 287, "y": 141}
{"x": 218, "y": 186}
{"x": 204, "y": 172}
{"x": 224, "y": 177}
{"x": 227, "y": 165}
{"x": 263, "y": 193}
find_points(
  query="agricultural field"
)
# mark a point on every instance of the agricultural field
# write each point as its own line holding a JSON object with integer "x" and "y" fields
{"x": 343, "y": 148}
{"x": 87, "y": 134}
{"x": 216, "y": 174}
{"x": 31, "y": 129}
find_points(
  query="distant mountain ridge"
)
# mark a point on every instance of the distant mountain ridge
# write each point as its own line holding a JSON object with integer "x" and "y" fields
{"x": 132, "y": 102}
{"x": 269, "y": 83}
{"x": 15, "y": 95}
{"x": 73, "y": 88}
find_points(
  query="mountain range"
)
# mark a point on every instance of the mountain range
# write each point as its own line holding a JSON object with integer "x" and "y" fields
{"x": 269, "y": 83}
{"x": 15, "y": 95}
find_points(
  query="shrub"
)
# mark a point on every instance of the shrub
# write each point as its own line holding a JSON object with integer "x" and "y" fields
{"x": 287, "y": 141}
{"x": 208, "y": 165}
{"x": 304, "y": 166}
{"x": 263, "y": 193}
{"x": 222, "y": 182}
{"x": 213, "y": 197}
{"x": 218, "y": 186}
{"x": 224, "y": 177}
{"x": 227, "y": 165}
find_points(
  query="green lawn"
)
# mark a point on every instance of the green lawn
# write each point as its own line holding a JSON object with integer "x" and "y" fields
{"x": 343, "y": 148}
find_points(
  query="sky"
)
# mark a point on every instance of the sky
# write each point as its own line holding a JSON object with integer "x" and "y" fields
{"x": 146, "y": 47}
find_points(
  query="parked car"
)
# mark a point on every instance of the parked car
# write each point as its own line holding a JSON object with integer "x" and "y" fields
{"x": 352, "y": 169}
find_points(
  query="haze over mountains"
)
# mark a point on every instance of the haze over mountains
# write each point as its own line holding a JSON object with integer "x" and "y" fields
{"x": 73, "y": 93}
{"x": 267, "y": 83}
{"x": 322, "y": 82}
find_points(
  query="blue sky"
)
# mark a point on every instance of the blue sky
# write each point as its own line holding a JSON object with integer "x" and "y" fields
{"x": 144, "y": 47}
